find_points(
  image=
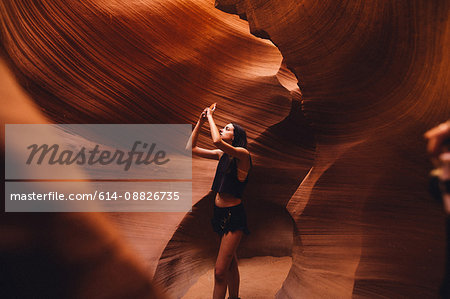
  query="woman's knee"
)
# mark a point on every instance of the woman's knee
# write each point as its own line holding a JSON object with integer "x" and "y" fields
{"x": 220, "y": 273}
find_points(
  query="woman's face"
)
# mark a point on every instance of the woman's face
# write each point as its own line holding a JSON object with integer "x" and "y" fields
{"x": 227, "y": 133}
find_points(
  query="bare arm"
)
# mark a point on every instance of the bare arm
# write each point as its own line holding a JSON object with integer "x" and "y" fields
{"x": 192, "y": 142}
{"x": 238, "y": 152}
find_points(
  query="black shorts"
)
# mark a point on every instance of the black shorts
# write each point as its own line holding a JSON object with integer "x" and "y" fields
{"x": 229, "y": 219}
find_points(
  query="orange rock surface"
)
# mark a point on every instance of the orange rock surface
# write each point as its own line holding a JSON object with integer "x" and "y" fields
{"x": 335, "y": 106}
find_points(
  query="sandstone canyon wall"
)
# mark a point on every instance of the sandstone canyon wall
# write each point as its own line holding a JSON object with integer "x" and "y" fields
{"x": 334, "y": 106}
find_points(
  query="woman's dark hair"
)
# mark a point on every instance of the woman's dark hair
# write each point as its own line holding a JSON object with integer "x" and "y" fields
{"x": 240, "y": 137}
{"x": 239, "y": 140}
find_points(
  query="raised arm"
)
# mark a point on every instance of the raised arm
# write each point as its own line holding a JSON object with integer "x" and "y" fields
{"x": 192, "y": 142}
{"x": 238, "y": 152}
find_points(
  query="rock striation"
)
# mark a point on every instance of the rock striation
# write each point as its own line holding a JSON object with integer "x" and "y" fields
{"x": 334, "y": 95}
{"x": 372, "y": 75}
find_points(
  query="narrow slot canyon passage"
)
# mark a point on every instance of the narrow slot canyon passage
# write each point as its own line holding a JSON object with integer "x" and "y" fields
{"x": 335, "y": 97}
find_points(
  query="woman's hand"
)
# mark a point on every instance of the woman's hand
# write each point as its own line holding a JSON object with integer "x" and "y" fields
{"x": 202, "y": 117}
{"x": 209, "y": 112}
{"x": 436, "y": 137}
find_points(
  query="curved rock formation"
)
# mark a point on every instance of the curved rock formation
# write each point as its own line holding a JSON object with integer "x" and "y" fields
{"x": 344, "y": 152}
{"x": 373, "y": 79}
{"x": 61, "y": 255}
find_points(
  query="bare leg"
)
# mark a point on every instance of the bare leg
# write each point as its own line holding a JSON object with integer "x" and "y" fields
{"x": 228, "y": 245}
{"x": 233, "y": 278}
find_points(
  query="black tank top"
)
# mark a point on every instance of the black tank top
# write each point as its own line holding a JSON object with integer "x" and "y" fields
{"x": 226, "y": 179}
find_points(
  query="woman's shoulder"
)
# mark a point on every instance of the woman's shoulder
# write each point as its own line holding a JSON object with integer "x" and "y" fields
{"x": 243, "y": 150}
{"x": 248, "y": 156}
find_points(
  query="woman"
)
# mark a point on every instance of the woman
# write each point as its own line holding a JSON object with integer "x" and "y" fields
{"x": 229, "y": 219}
